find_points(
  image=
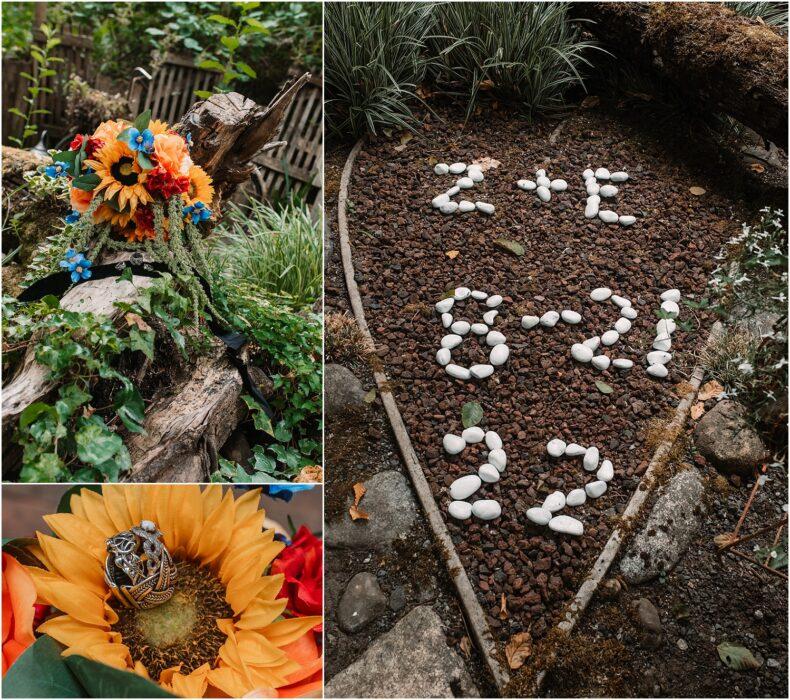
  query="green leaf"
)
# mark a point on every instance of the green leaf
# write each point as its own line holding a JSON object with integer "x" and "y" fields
{"x": 64, "y": 506}
{"x": 17, "y": 112}
{"x": 102, "y": 681}
{"x": 230, "y": 42}
{"x": 510, "y": 246}
{"x": 211, "y": 64}
{"x": 471, "y": 414}
{"x": 124, "y": 135}
{"x": 257, "y": 24}
{"x": 41, "y": 672}
{"x": 32, "y": 413}
{"x": 64, "y": 156}
{"x": 142, "y": 120}
{"x": 144, "y": 161}
{"x": 130, "y": 408}
{"x": 126, "y": 276}
{"x": 738, "y": 658}
{"x": 143, "y": 341}
{"x": 604, "y": 388}
{"x": 246, "y": 69}
{"x": 220, "y": 19}
{"x": 87, "y": 182}
{"x": 203, "y": 94}
{"x": 96, "y": 443}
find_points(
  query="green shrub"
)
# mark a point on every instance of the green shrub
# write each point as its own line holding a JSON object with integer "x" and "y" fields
{"x": 374, "y": 60}
{"x": 526, "y": 53}
{"x": 774, "y": 13}
{"x": 278, "y": 250}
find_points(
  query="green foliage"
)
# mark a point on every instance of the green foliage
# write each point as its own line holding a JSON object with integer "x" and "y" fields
{"x": 774, "y": 13}
{"x": 278, "y": 250}
{"x": 17, "y": 28}
{"x": 374, "y": 61}
{"x": 529, "y": 54}
{"x": 42, "y": 62}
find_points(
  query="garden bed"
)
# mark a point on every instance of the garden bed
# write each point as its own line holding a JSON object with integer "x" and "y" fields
{"x": 400, "y": 246}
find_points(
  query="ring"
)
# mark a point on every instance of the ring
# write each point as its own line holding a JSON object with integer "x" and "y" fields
{"x": 138, "y": 569}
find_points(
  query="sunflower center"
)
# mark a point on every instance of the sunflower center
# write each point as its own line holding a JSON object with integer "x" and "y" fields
{"x": 123, "y": 171}
{"x": 181, "y": 631}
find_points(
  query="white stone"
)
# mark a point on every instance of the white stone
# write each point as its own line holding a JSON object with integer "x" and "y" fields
{"x": 449, "y": 208}
{"x": 450, "y": 341}
{"x": 477, "y": 295}
{"x": 593, "y": 343}
{"x": 588, "y": 173}
{"x": 454, "y": 190}
{"x": 493, "y": 441}
{"x": 566, "y": 525}
{"x": 629, "y": 312}
{"x": 479, "y": 328}
{"x": 439, "y": 201}
{"x": 626, "y": 219}
{"x": 666, "y": 326}
{"x": 581, "y": 353}
{"x": 486, "y": 509}
{"x": 549, "y": 319}
{"x": 489, "y": 316}
{"x": 473, "y": 435}
{"x": 600, "y": 294}
{"x": 610, "y": 337}
{"x": 465, "y": 206}
{"x": 528, "y": 322}
{"x": 576, "y": 497}
{"x": 526, "y": 185}
{"x": 453, "y": 444}
{"x": 460, "y": 327}
{"x": 554, "y": 501}
{"x": 485, "y": 207}
{"x": 556, "y": 447}
{"x": 539, "y": 516}
{"x": 622, "y": 302}
{"x": 601, "y": 362}
{"x": 447, "y": 320}
{"x": 495, "y": 338}
{"x": 572, "y": 317}
{"x": 458, "y": 372}
{"x": 606, "y": 472}
{"x": 493, "y": 301}
{"x": 475, "y": 174}
{"x": 460, "y": 510}
{"x": 574, "y": 450}
{"x": 481, "y": 371}
{"x": 658, "y": 357}
{"x": 457, "y": 168}
{"x": 595, "y": 489}
{"x": 543, "y": 181}
{"x": 593, "y": 189}
{"x": 659, "y": 371}
{"x": 622, "y": 363}
{"x": 591, "y": 457}
{"x": 499, "y": 355}
{"x": 540, "y": 173}
{"x": 498, "y": 458}
{"x": 462, "y": 293}
{"x": 671, "y": 295}
{"x": 619, "y": 176}
{"x": 558, "y": 185}
{"x": 662, "y": 342}
{"x": 464, "y": 487}
{"x": 443, "y": 356}
{"x": 670, "y": 307}
{"x": 591, "y": 210}
{"x": 544, "y": 193}
{"x": 622, "y": 325}
{"x": 608, "y": 216}
{"x": 465, "y": 183}
{"x": 488, "y": 473}
{"x": 608, "y": 191}
{"x": 441, "y": 168}
{"x": 601, "y": 173}
{"x": 445, "y": 305}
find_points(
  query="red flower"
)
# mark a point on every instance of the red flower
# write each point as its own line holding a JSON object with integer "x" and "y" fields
{"x": 160, "y": 180}
{"x": 76, "y": 142}
{"x": 94, "y": 145}
{"x": 302, "y": 564}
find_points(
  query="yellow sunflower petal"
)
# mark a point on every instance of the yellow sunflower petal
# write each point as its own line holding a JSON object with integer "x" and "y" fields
{"x": 229, "y": 681}
{"x": 212, "y": 497}
{"x": 260, "y": 613}
{"x": 141, "y": 670}
{"x": 247, "y": 505}
{"x": 78, "y": 531}
{"x": 256, "y": 650}
{"x": 72, "y": 599}
{"x": 133, "y": 501}
{"x": 35, "y": 549}
{"x": 217, "y": 530}
{"x": 117, "y": 508}
{"x": 192, "y": 685}
{"x": 96, "y": 513}
{"x": 73, "y": 563}
{"x": 249, "y": 563}
{"x": 286, "y": 631}
{"x": 73, "y": 633}
{"x": 239, "y": 592}
{"x": 110, "y": 653}
{"x": 189, "y": 519}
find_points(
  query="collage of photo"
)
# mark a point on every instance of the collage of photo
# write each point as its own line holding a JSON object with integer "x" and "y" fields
{"x": 412, "y": 349}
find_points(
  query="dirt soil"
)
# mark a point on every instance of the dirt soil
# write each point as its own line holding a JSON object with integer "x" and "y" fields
{"x": 400, "y": 245}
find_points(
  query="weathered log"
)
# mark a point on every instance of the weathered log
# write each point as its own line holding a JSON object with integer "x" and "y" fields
{"x": 714, "y": 57}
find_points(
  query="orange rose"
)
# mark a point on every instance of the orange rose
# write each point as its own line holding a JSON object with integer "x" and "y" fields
{"x": 108, "y": 131}
{"x": 172, "y": 154}
{"x": 80, "y": 199}
{"x": 19, "y": 598}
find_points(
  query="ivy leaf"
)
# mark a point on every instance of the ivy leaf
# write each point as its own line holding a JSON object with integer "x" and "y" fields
{"x": 96, "y": 443}
{"x": 471, "y": 414}
{"x": 259, "y": 417}
{"x": 126, "y": 275}
{"x": 603, "y": 387}
{"x": 130, "y": 408}
{"x": 87, "y": 182}
{"x": 142, "y": 341}
{"x": 142, "y": 121}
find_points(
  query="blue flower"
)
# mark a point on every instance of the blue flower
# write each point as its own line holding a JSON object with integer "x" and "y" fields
{"x": 286, "y": 491}
{"x": 77, "y": 264}
{"x": 141, "y": 140}
{"x": 197, "y": 212}
{"x": 71, "y": 218}
{"x": 57, "y": 169}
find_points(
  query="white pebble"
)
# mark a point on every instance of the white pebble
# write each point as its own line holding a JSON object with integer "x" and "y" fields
{"x": 622, "y": 302}
{"x": 572, "y": 317}
{"x": 526, "y": 185}
{"x": 554, "y": 501}
{"x": 458, "y": 372}
{"x": 447, "y": 320}
{"x": 465, "y": 183}
{"x": 453, "y": 444}
{"x": 666, "y": 326}
{"x": 593, "y": 343}
{"x": 601, "y": 173}
{"x": 441, "y": 168}
{"x": 488, "y": 473}
{"x": 439, "y": 201}
{"x": 662, "y": 342}
{"x": 671, "y": 295}
{"x": 593, "y": 189}
{"x": 610, "y": 337}
{"x": 460, "y": 327}
{"x": 493, "y": 441}
{"x": 486, "y": 509}
{"x": 481, "y": 371}
{"x": 555, "y": 447}
{"x": 543, "y": 181}
{"x": 558, "y": 185}
{"x": 457, "y": 168}
{"x": 594, "y": 199}
{"x": 670, "y": 307}
{"x": 443, "y": 356}
{"x": 479, "y": 328}
{"x": 498, "y": 458}
{"x": 626, "y": 220}
{"x": 489, "y": 316}
{"x": 450, "y": 341}
{"x": 473, "y": 435}
{"x": 477, "y": 295}
{"x": 539, "y": 516}
{"x": 549, "y": 319}
{"x": 659, "y": 371}
{"x": 445, "y": 305}
{"x": 587, "y": 174}
{"x": 629, "y": 312}
{"x": 576, "y": 497}
{"x": 581, "y": 353}
{"x": 485, "y": 207}
{"x": 465, "y": 206}
{"x": 475, "y": 173}
{"x": 622, "y": 325}
{"x": 601, "y": 362}
{"x": 449, "y": 208}
{"x": 454, "y": 190}
{"x": 591, "y": 457}
{"x": 566, "y": 525}
{"x": 658, "y": 357}
{"x": 499, "y": 355}
{"x": 460, "y": 510}
{"x": 495, "y": 338}
{"x": 528, "y": 322}
{"x": 622, "y": 363}
{"x": 464, "y": 487}
{"x": 591, "y": 210}
{"x": 608, "y": 191}
{"x": 619, "y": 176}
{"x": 574, "y": 450}
{"x": 607, "y": 216}
{"x": 595, "y": 489}
{"x": 540, "y": 173}
{"x": 606, "y": 472}
{"x": 493, "y": 301}
{"x": 600, "y": 294}
{"x": 544, "y": 193}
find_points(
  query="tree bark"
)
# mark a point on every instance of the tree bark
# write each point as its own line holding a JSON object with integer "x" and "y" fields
{"x": 720, "y": 60}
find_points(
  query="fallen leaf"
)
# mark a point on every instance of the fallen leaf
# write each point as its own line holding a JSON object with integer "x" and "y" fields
{"x": 359, "y": 491}
{"x": 135, "y": 320}
{"x": 697, "y": 191}
{"x": 358, "y": 514}
{"x": 682, "y": 388}
{"x": 697, "y": 410}
{"x": 518, "y": 649}
{"x": 486, "y": 163}
{"x": 452, "y": 254}
{"x": 590, "y": 101}
{"x": 510, "y": 246}
{"x": 312, "y": 474}
{"x": 471, "y": 414}
{"x": 757, "y": 168}
{"x": 466, "y": 646}
{"x": 603, "y": 387}
{"x": 709, "y": 390}
{"x": 486, "y": 84}
{"x": 503, "y": 608}
{"x": 724, "y": 540}
{"x": 404, "y": 140}
{"x": 738, "y": 658}
{"x": 370, "y": 396}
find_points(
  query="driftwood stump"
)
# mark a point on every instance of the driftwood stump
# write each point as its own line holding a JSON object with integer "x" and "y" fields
{"x": 188, "y": 423}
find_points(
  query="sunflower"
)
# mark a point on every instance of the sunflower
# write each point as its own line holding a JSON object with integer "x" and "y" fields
{"x": 157, "y": 126}
{"x": 200, "y": 189}
{"x": 120, "y": 175}
{"x": 222, "y": 632}
{"x": 118, "y": 219}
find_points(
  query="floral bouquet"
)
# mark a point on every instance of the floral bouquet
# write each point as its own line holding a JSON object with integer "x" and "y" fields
{"x": 134, "y": 187}
{"x": 242, "y": 617}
